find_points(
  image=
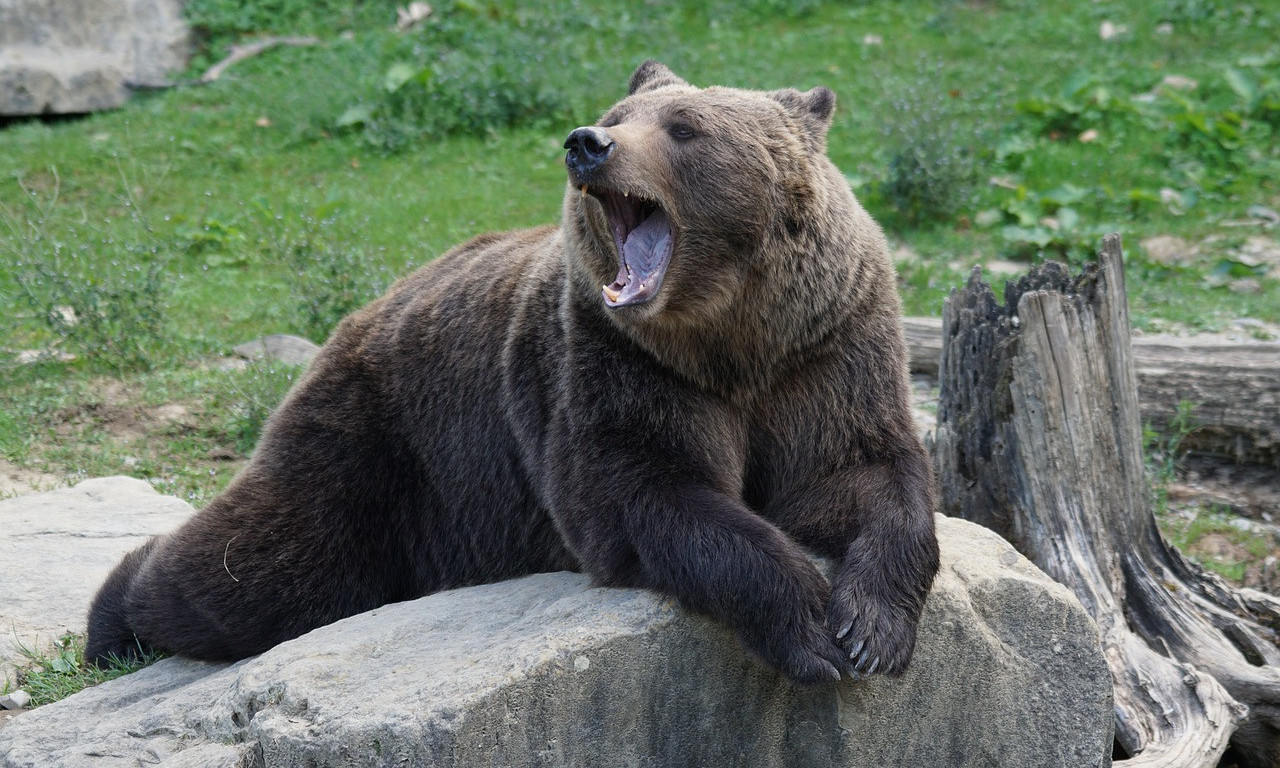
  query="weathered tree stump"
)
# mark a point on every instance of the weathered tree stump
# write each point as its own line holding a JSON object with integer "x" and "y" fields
{"x": 1039, "y": 439}
{"x": 1234, "y": 387}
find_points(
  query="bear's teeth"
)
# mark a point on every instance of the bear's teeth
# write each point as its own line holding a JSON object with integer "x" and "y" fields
{"x": 584, "y": 190}
{"x": 611, "y": 293}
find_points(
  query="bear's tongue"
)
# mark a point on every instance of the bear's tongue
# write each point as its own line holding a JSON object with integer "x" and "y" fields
{"x": 645, "y": 255}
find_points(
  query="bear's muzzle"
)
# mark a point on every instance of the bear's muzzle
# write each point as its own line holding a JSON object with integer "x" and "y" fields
{"x": 589, "y": 147}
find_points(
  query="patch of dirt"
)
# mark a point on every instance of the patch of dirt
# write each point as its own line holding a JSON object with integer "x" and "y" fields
{"x": 18, "y": 481}
{"x": 113, "y": 411}
{"x": 1264, "y": 574}
{"x": 1250, "y": 495}
{"x": 117, "y": 411}
{"x": 8, "y": 714}
{"x": 108, "y": 427}
{"x": 1220, "y": 547}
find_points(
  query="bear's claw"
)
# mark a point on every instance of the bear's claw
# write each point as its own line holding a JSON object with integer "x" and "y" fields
{"x": 873, "y": 637}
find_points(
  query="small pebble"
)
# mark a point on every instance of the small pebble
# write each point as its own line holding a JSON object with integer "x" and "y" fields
{"x": 15, "y": 700}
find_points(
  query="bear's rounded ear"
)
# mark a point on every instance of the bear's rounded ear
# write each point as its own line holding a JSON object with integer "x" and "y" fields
{"x": 650, "y": 75}
{"x": 812, "y": 108}
{"x": 821, "y": 103}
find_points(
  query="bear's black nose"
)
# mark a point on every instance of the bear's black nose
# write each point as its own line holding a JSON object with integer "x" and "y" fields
{"x": 588, "y": 148}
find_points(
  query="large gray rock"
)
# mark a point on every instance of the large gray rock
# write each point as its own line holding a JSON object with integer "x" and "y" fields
{"x": 548, "y": 671}
{"x": 81, "y": 55}
{"x": 58, "y": 546}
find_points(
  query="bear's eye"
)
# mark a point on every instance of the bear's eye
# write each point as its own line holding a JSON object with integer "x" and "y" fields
{"x": 681, "y": 131}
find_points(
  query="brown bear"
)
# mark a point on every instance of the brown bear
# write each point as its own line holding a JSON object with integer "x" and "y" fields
{"x": 695, "y": 380}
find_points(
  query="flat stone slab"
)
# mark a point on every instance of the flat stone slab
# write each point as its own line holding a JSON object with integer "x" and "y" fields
{"x": 550, "y": 671}
{"x": 59, "y": 546}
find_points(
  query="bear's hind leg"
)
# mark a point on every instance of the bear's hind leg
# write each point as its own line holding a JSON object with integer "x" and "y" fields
{"x": 111, "y": 636}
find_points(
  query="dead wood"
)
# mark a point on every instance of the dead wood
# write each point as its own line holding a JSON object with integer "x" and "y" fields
{"x": 237, "y": 53}
{"x": 1039, "y": 438}
{"x": 241, "y": 52}
{"x": 1234, "y": 386}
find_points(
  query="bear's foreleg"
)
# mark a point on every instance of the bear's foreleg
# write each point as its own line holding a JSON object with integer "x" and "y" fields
{"x": 888, "y": 568}
{"x": 718, "y": 558}
{"x": 644, "y": 485}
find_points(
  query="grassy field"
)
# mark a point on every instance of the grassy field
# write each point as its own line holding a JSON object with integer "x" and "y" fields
{"x": 146, "y": 242}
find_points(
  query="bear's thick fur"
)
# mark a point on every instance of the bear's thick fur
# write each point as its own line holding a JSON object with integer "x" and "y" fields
{"x": 698, "y": 376}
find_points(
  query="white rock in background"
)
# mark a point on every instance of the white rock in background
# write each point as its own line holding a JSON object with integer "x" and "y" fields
{"x": 1108, "y": 30}
{"x": 80, "y": 55}
{"x": 410, "y": 15}
{"x": 1179, "y": 83}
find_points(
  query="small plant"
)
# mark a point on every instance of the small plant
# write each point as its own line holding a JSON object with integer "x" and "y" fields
{"x": 469, "y": 69}
{"x": 55, "y": 674}
{"x": 1164, "y": 450}
{"x": 482, "y": 88}
{"x": 329, "y": 276}
{"x": 219, "y": 23}
{"x": 1219, "y": 125}
{"x": 101, "y": 299}
{"x": 220, "y": 243}
{"x": 933, "y": 162}
{"x": 1046, "y": 224}
{"x": 1084, "y": 100}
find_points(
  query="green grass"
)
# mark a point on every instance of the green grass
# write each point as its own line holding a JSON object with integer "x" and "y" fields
{"x": 52, "y": 674}
{"x": 296, "y": 186}
{"x": 210, "y": 181}
{"x": 187, "y": 430}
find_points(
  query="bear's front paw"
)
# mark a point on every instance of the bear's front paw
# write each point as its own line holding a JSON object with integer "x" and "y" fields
{"x": 805, "y": 653}
{"x": 874, "y": 635}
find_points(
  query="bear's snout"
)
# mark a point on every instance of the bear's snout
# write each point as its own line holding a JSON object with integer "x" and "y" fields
{"x": 589, "y": 147}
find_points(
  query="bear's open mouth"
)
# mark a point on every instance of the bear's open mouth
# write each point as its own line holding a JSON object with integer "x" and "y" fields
{"x": 642, "y": 234}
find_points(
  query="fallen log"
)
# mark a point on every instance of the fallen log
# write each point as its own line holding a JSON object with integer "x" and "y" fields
{"x": 1233, "y": 385}
{"x": 1039, "y": 439}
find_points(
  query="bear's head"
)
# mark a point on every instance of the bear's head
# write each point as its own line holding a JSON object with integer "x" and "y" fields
{"x": 678, "y": 193}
